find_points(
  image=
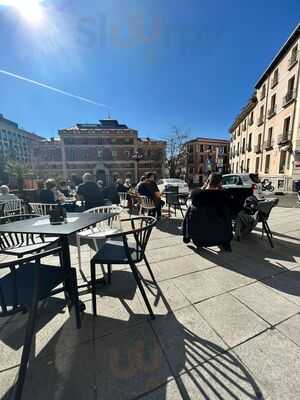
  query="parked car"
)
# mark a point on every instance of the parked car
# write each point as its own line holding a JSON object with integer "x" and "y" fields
{"x": 183, "y": 187}
{"x": 245, "y": 180}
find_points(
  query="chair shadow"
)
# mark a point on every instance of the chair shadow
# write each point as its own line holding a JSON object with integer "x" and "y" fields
{"x": 171, "y": 226}
{"x": 260, "y": 269}
{"x": 124, "y": 360}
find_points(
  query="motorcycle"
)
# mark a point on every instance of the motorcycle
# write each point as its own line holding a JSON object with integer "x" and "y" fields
{"x": 267, "y": 186}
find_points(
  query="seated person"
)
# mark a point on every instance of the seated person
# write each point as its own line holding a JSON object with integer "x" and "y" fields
{"x": 214, "y": 182}
{"x": 150, "y": 189}
{"x": 111, "y": 194}
{"x": 64, "y": 189}
{"x": 5, "y": 195}
{"x": 208, "y": 221}
{"x": 89, "y": 192}
{"x": 142, "y": 179}
{"x": 120, "y": 187}
{"x": 48, "y": 195}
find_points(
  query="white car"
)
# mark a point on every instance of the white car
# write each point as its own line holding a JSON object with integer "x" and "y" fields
{"x": 245, "y": 180}
{"x": 183, "y": 187}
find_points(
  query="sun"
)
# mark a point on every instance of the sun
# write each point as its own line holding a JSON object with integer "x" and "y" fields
{"x": 30, "y": 10}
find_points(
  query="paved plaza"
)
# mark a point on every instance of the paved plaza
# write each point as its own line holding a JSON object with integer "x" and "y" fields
{"x": 226, "y": 327}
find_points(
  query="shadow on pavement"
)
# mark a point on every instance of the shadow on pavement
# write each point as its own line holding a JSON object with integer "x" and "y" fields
{"x": 123, "y": 360}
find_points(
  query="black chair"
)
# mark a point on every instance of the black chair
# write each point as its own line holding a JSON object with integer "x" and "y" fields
{"x": 20, "y": 244}
{"x": 237, "y": 198}
{"x": 122, "y": 252}
{"x": 173, "y": 200}
{"x": 2, "y": 205}
{"x": 23, "y": 287}
{"x": 264, "y": 211}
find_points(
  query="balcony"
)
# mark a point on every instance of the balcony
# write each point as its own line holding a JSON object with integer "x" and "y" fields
{"x": 257, "y": 148}
{"x": 272, "y": 111}
{"x": 293, "y": 61}
{"x": 274, "y": 82}
{"x": 260, "y": 120}
{"x": 285, "y": 138}
{"x": 268, "y": 145}
{"x": 289, "y": 97}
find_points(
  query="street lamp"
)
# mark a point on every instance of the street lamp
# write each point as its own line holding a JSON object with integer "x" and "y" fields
{"x": 137, "y": 157}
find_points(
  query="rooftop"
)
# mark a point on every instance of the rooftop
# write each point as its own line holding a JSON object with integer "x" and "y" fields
{"x": 211, "y": 140}
{"x": 278, "y": 57}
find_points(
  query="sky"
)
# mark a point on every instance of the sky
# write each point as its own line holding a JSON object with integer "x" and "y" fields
{"x": 151, "y": 64}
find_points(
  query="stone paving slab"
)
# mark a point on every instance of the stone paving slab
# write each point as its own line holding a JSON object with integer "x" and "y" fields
{"x": 209, "y": 283}
{"x": 290, "y": 328}
{"x": 275, "y": 361}
{"x": 233, "y": 321}
{"x": 270, "y": 306}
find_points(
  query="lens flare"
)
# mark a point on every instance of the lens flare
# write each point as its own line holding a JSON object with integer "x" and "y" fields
{"x": 30, "y": 10}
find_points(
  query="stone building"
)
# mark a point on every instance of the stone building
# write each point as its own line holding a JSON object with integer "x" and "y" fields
{"x": 107, "y": 149}
{"x": 265, "y": 136}
{"x": 201, "y": 156}
{"x": 16, "y": 144}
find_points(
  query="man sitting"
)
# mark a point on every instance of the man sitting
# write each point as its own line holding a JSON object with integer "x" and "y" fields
{"x": 89, "y": 192}
{"x": 150, "y": 189}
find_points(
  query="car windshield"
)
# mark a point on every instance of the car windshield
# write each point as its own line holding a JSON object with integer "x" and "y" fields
{"x": 231, "y": 180}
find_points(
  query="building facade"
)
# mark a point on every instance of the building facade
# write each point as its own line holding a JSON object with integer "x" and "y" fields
{"x": 265, "y": 136}
{"x": 202, "y": 156}
{"x": 16, "y": 144}
{"x": 107, "y": 149}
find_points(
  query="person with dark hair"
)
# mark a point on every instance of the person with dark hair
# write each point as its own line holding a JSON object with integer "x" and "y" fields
{"x": 214, "y": 182}
{"x": 89, "y": 192}
{"x": 121, "y": 188}
{"x": 150, "y": 189}
{"x": 64, "y": 189}
{"x": 48, "y": 194}
{"x": 142, "y": 179}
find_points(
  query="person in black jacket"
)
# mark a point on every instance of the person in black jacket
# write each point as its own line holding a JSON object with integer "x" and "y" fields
{"x": 48, "y": 195}
{"x": 89, "y": 192}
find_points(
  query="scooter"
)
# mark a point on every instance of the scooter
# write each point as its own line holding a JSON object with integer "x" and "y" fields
{"x": 267, "y": 186}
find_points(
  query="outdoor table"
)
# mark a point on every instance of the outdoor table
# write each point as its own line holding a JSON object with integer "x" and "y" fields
{"x": 41, "y": 225}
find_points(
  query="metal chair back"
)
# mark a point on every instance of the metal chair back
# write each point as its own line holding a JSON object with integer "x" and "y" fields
{"x": 41, "y": 208}
{"x": 107, "y": 224}
{"x": 13, "y": 240}
{"x": 123, "y": 199}
{"x": 14, "y": 206}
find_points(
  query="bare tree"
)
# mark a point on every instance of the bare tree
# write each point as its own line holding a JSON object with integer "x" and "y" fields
{"x": 175, "y": 150}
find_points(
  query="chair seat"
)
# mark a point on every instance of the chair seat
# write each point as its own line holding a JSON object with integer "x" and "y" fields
{"x": 94, "y": 234}
{"x": 50, "y": 277}
{"x": 113, "y": 252}
{"x": 30, "y": 248}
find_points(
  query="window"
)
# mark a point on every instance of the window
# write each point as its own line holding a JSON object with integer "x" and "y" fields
{"x": 282, "y": 162}
{"x": 248, "y": 165}
{"x": 269, "y": 139}
{"x": 251, "y": 118}
{"x": 261, "y": 116}
{"x": 286, "y": 126}
{"x": 294, "y": 57}
{"x": 272, "y": 110}
{"x": 267, "y": 164}
{"x": 257, "y": 165}
{"x": 250, "y": 142}
{"x": 275, "y": 78}
{"x": 263, "y": 92}
{"x": 243, "y": 146}
{"x": 114, "y": 154}
{"x": 242, "y": 166}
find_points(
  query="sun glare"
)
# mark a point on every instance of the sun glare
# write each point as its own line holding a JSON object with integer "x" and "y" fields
{"x": 30, "y": 10}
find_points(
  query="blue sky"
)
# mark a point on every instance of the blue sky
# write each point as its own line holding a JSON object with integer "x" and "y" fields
{"x": 157, "y": 63}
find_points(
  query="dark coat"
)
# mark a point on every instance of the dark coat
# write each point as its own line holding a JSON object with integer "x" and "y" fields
{"x": 208, "y": 220}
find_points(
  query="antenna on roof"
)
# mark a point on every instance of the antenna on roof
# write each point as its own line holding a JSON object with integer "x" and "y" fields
{"x": 108, "y": 116}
